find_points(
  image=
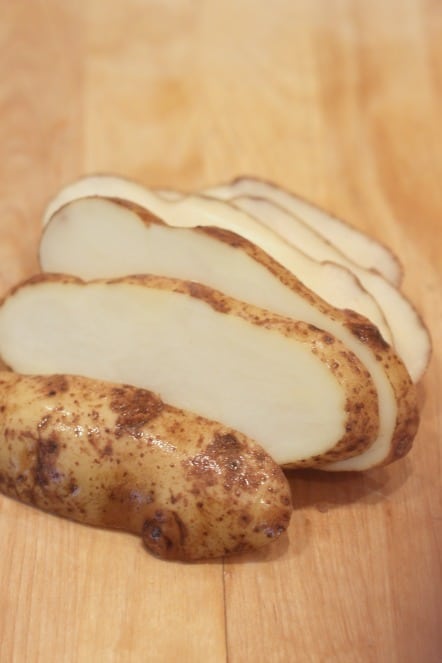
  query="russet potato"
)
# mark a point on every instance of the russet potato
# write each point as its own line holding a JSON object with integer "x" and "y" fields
{"x": 138, "y": 242}
{"x": 293, "y": 388}
{"x": 115, "y": 456}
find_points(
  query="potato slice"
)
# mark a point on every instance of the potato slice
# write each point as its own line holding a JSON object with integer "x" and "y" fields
{"x": 409, "y": 334}
{"x": 138, "y": 242}
{"x": 401, "y": 324}
{"x": 291, "y": 387}
{"x": 356, "y": 245}
{"x": 333, "y": 283}
{"x": 115, "y": 456}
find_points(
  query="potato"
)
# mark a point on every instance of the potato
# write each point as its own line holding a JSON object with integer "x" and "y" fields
{"x": 353, "y": 243}
{"x": 409, "y": 335}
{"x": 138, "y": 242}
{"x": 115, "y": 456}
{"x": 312, "y": 253}
{"x": 383, "y": 304}
{"x": 332, "y": 282}
{"x": 293, "y": 388}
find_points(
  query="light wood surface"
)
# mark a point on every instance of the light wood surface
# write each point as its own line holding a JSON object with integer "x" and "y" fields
{"x": 340, "y": 100}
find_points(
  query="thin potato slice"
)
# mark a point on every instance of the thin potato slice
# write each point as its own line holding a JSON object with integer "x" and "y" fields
{"x": 331, "y": 282}
{"x": 138, "y": 242}
{"x": 399, "y": 322}
{"x": 410, "y": 337}
{"x": 400, "y": 325}
{"x": 356, "y": 245}
{"x": 115, "y": 456}
{"x": 290, "y": 386}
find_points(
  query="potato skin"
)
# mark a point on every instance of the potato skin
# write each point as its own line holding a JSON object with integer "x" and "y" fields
{"x": 116, "y": 456}
{"x": 360, "y": 410}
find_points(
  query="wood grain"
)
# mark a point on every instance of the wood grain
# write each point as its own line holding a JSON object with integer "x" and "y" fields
{"x": 339, "y": 100}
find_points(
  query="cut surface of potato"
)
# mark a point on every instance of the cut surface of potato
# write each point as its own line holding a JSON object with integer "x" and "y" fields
{"x": 409, "y": 335}
{"x": 291, "y": 387}
{"x": 138, "y": 242}
{"x": 333, "y": 283}
{"x": 401, "y": 324}
{"x": 112, "y": 455}
{"x": 356, "y": 245}
{"x": 300, "y": 234}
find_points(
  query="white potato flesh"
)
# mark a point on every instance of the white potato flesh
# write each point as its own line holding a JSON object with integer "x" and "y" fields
{"x": 409, "y": 335}
{"x": 356, "y": 245}
{"x": 401, "y": 324}
{"x": 333, "y": 283}
{"x": 274, "y": 380}
{"x": 135, "y": 242}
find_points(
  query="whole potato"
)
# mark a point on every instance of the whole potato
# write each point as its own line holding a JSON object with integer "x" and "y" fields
{"x": 116, "y": 456}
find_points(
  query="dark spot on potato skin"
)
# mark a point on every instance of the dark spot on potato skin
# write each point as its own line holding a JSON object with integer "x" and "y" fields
{"x": 107, "y": 450}
{"x": 227, "y": 441}
{"x": 245, "y": 519}
{"x": 368, "y": 334}
{"x": 176, "y": 498}
{"x": 223, "y": 235}
{"x": 55, "y": 385}
{"x": 164, "y": 534}
{"x": 47, "y": 452}
{"x": 73, "y": 488}
{"x": 212, "y": 297}
{"x": 221, "y": 462}
{"x": 230, "y": 465}
{"x": 134, "y": 408}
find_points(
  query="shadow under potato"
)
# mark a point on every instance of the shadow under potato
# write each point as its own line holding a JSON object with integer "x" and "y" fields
{"x": 328, "y": 490}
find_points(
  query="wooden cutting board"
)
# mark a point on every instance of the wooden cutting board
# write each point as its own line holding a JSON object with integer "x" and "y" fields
{"x": 340, "y": 101}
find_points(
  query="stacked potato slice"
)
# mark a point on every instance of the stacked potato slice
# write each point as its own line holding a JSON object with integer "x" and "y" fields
{"x": 256, "y": 315}
{"x": 242, "y": 311}
{"x": 292, "y": 236}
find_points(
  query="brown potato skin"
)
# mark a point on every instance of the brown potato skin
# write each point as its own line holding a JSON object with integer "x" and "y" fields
{"x": 361, "y": 399}
{"x": 407, "y": 416}
{"x": 116, "y": 456}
